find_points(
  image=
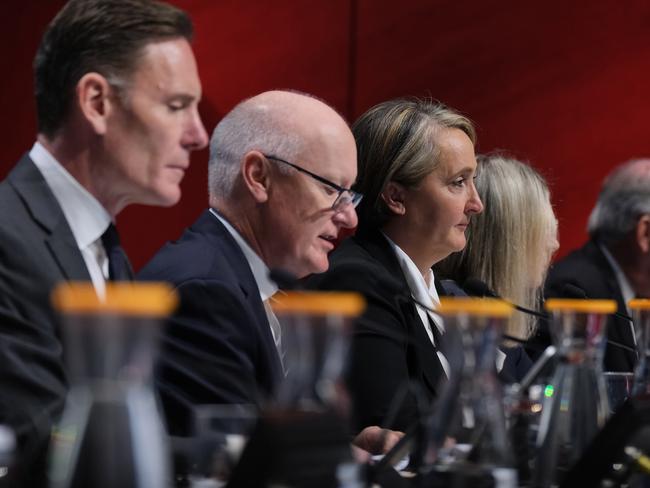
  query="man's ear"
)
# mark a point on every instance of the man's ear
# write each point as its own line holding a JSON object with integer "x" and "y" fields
{"x": 643, "y": 233}
{"x": 94, "y": 102}
{"x": 393, "y": 196}
{"x": 255, "y": 173}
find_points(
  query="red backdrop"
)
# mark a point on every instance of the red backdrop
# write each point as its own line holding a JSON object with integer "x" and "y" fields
{"x": 563, "y": 84}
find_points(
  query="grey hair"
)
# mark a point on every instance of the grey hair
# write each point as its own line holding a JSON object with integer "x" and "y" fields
{"x": 247, "y": 127}
{"x": 624, "y": 197}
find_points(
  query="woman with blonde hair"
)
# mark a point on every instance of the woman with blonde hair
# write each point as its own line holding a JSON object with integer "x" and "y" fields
{"x": 510, "y": 245}
{"x": 416, "y": 167}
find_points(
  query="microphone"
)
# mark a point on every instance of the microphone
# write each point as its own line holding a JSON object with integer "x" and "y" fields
{"x": 572, "y": 291}
{"x": 476, "y": 287}
{"x": 479, "y": 288}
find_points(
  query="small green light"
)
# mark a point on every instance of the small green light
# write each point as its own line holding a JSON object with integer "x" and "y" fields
{"x": 548, "y": 391}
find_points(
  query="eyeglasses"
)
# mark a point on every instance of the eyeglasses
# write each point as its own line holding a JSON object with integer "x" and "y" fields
{"x": 345, "y": 196}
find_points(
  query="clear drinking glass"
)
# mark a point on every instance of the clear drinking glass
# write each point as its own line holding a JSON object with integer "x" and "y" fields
{"x": 220, "y": 435}
{"x": 574, "y": 405}
{"x": 302, "y": 437}
{"x": 640, "y": 309}
{"x": 619, "y": 386}
{"x": 524, "y": 401}
{"x": 7, "y": 447}
{"x": 468, "y": 441}
{"x": 315, "y": 334}
{"x": 111, "y": 434}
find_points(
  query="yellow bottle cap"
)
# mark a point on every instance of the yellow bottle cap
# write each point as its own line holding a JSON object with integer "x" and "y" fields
{"x": 639, "y": 304}
{"x": 579, "y": 305}
{"x": 318, "y": 303}
{"x": 126, "y": 298}
{"x": 482, "y": 307}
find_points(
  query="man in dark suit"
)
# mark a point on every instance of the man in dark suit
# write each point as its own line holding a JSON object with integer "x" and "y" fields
{"x": 280, "y": 169}
{"x": 116, "y": 95}
{"x": 615, "y": 262}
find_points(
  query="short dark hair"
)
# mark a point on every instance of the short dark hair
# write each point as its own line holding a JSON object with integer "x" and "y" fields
{"x": 103, "y": 36}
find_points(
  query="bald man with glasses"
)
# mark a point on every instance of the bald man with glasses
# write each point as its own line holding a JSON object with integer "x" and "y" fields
{"x": 280, "y": 170}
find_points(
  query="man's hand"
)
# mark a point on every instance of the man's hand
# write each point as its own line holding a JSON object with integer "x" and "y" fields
{"x": 376, "y": 440}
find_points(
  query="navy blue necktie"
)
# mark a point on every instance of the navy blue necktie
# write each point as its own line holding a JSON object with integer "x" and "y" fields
{"x": 119, "y": 268}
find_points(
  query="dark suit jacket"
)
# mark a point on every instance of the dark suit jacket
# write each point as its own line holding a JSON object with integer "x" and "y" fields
{"x": 37, "y": 250}
{"x": 588, "y": 269}
{"x": 390, "y": 348}
{"x": 218, "y": 346}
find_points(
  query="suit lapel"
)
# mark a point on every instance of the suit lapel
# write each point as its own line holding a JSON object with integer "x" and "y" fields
{"x": 596, "y": 255}
{"x": 618, "y": 329}
{"x": 68, "y": 258}
{"x": 422, "y": 358}
{"x": 209, "y": 224}
{"x": 430, "y": 362}
{"x": 31, "y": 187}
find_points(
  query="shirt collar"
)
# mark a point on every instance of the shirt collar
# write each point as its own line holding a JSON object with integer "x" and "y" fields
{"x": 418, "y": 287}
{"x": 87, "y": 218}
{"x": 259, "y": 269}
{"x": 624, "y": 284}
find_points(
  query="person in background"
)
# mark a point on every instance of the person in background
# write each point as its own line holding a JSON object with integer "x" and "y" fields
{"x": 615, "y": 262}
{"x": 416, "y": 171}
{"x": 117, "y": 90}
{"x": 510, "y": 245}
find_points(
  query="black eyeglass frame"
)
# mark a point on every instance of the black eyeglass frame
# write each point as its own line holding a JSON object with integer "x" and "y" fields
{"x": 355, "y": 197}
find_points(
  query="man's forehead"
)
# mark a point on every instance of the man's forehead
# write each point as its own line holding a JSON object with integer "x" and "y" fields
{"x": 166, "y": 52}
{"x": 333, "y": 158}
{"x": 168, "y": 65}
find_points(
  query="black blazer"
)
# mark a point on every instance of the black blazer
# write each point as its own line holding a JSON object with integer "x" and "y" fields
{"x": 588, "y": 269}
{"x": 37, "y": 251}
{"x": 390, "y": 348}
{"x": 218, "y": 346}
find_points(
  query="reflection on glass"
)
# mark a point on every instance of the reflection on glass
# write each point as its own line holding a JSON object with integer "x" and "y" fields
{"x": 575, "y": 405}
{"x": 618, "y": 385}
{"x": 301, "y": 437}
{"x": 111, "y": 434}
{"x": 315, "y": 330}
{"x": 469, "y": 444}
{"x": 641, "y": 319}
{"x": 221, "y": 432}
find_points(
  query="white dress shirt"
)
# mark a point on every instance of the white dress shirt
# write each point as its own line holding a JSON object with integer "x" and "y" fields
{"x": 423, "y": 293}
{"x": 87, "y": 218}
